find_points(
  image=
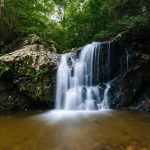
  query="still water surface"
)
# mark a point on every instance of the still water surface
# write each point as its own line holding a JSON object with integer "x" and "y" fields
{"x": 104, "y": 130}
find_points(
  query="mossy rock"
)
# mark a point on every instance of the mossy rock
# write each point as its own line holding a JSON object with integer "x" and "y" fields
{"x": 29, "y": 73}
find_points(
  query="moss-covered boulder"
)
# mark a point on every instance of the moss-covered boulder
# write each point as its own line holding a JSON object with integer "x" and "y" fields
{"x": 27, "y": 78}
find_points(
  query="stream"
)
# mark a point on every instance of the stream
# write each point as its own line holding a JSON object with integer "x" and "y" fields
{"x": 75, "y": 130}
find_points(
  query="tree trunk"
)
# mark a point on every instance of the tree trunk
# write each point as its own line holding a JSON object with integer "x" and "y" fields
{"x": 1, "y": 6}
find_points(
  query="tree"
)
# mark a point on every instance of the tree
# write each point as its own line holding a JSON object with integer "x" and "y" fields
{"x": 1, "y": 7}
{"x": 71, "y": 23}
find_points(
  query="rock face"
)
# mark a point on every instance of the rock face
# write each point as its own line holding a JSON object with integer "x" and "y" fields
{"x": 124, "y": 88}
{"x": 28, "y": 74}
{"x": 135, "y": 39}
{"x": 131, "y": 90}
{"x": 27, "y": 77}
{"x": 132, "y": 87}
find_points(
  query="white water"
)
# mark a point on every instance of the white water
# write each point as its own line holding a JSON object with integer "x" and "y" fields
{"x": 75, "y": 88}
{"x": 104, "y": 104}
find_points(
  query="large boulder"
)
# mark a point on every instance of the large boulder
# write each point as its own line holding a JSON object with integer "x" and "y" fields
{"x": 27, "y": 78}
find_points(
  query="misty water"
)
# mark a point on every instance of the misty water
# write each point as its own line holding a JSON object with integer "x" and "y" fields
{"x": 78, "y": 86}
{"x": 61, "y": 130}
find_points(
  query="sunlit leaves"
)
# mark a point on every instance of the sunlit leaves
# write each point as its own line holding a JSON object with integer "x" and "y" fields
{"x": 72, "y": 23}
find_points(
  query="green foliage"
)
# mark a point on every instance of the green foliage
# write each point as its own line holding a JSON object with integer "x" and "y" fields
{"x": 39, "y": 74}
{"x": 102, "y": 36}
{"x": 3, "y": 68}
{"x": 71, "y": 23}
{"x": 23, "y": 17}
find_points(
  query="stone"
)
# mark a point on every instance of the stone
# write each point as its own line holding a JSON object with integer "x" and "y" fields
{"x": 130, "y": 87}
{"x": 123, "y": 89}
{"x": 27, "y": 78}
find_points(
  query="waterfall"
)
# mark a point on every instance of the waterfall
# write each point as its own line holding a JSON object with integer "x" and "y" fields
{"x": 104, "y": 103}
{"x": 62, "y": 81}
{"x": 78, "y": 86}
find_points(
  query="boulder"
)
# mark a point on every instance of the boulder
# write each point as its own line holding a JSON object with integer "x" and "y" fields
{"x": 27, "y": 78}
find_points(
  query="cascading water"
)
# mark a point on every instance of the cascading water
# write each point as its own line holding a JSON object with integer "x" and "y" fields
{"x": 78, "y": 87}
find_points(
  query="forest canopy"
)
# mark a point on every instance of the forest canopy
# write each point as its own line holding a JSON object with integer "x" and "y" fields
{"x": 71, "y": 23}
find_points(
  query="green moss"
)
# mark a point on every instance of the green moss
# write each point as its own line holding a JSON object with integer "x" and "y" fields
{"x": 36, "y": 84}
